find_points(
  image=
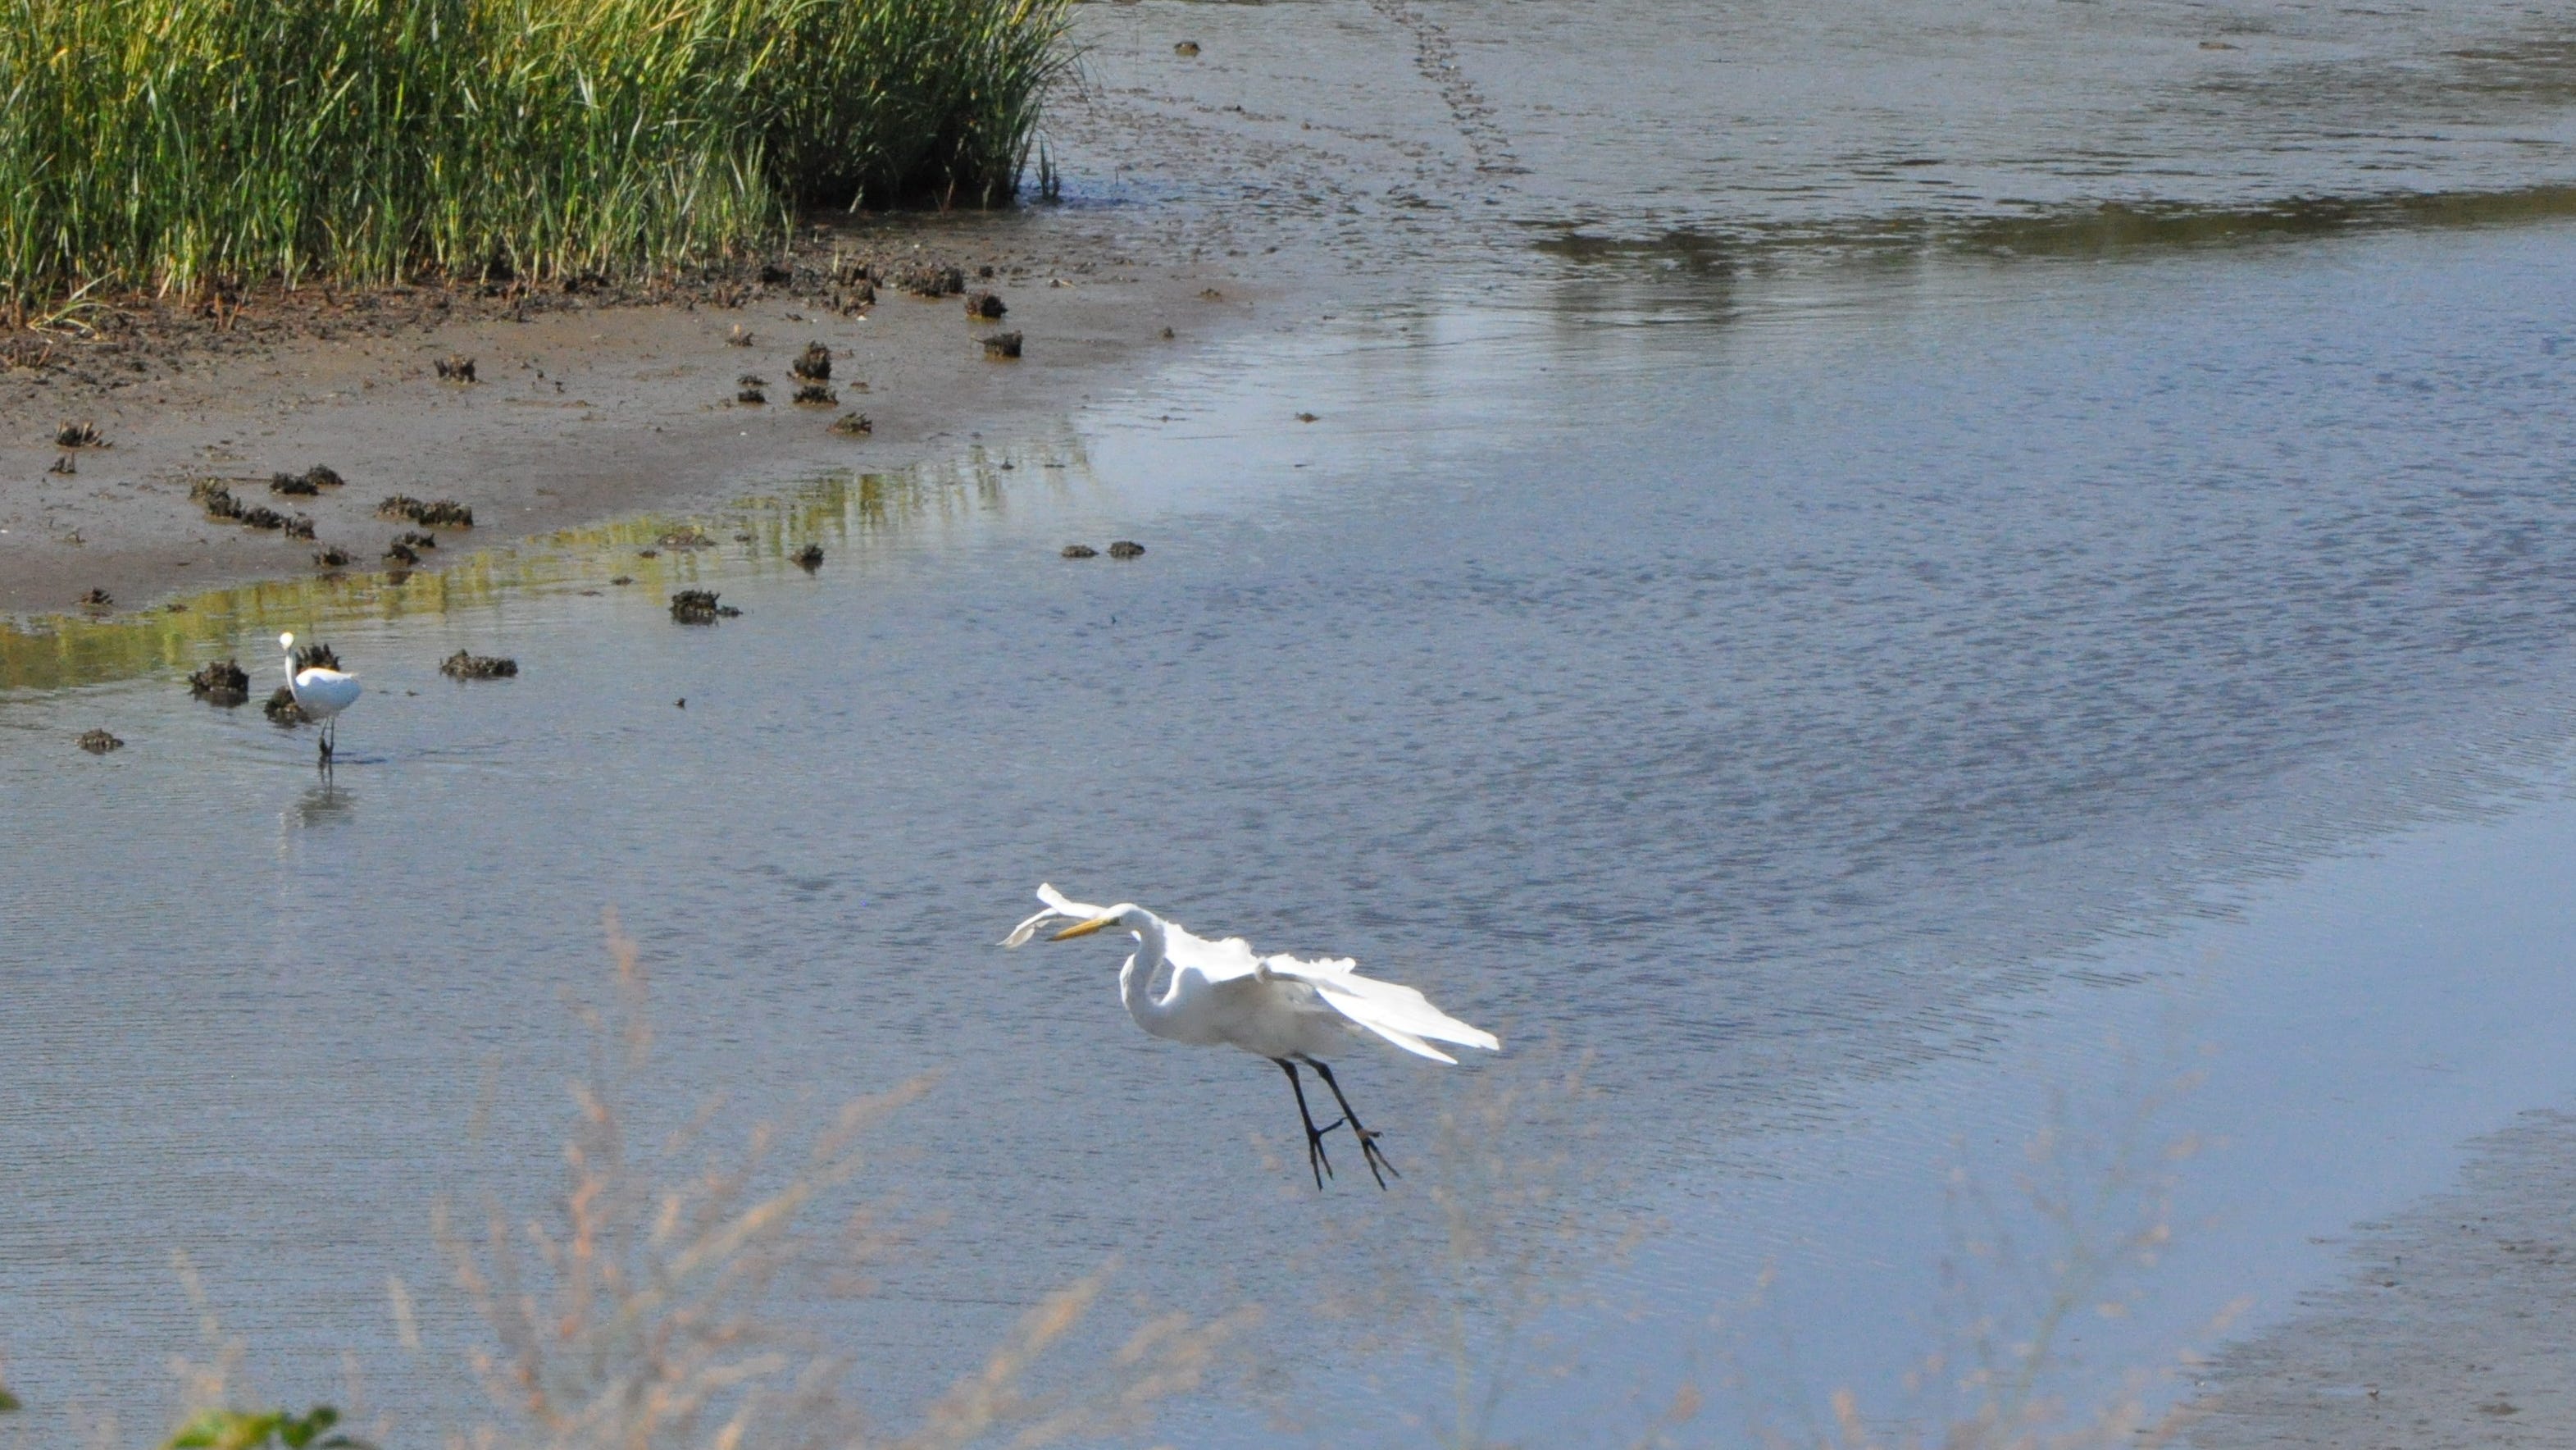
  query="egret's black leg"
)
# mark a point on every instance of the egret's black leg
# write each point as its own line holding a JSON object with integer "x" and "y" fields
{"x": 1315, "y": 1159}
{"x": 1369, "y": 1150}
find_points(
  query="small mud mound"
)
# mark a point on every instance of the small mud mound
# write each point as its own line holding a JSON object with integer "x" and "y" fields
{"x": 281, "y": 707}
{"x": 455, "y": 369}
{"x": 854, "y": 425}
{"x": 99, "y": 742}
{"x": 299, "y": 527}
{"x": 315, "y": 657}
{"x": 446, "y": 513}
{"x": 985, "y": 307}
{"x": 401, "y": 553}
{"x": 79, "y": 435}
{"x": 1079, "y": 551}
{"x": 418, "y": 540}
{"x": 98, "y": 599}
{"x": 224, "y": 683}
{"x": 261, "y": 516}
{"x": 311, "y": 481}
{"x": 809, "y": 558}
{"x": 1126, "y": 549}
{"x": 931, "y": 280}
{"x": 751, "y": 397}
{"x": 814, "y": 364}
{"x": 698, "y": 606}
{"x": 216, "y": 498}
{"x": 463, "y": 666}
{"x": 1002, "y": 345}
{"x": 817, "y": 395}
{"x": 333, "y": 557}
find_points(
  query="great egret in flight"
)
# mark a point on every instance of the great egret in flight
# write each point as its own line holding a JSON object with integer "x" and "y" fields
{"x": 1277, "y": 1007}
{"x": 320, "y": 693}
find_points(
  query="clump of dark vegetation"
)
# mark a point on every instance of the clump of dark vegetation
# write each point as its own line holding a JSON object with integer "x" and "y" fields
{"x": 814, "y": 364}
{"x": 78, "y": 435}
{"x": 932, "y": 280}
{"x": 854, "y": 298}
{"x": 817, "y": 395}
{"x": 332, "y": 557}
{"x": 223, "y": 682}
{"x": 985, "y": 307}
{"x": 281, "y": 707}
{"x": 1080, "y": 551}
{"x": 446, "y": 513}
{"x": 311, "y": 481}
{"x": 1002, "y": 344}
{"x": 299, "y": 527}
{"x": 1126, "y": 549}
{"x": 97, "y": 598}
{"x": 751, "y": 397}
{"x": 455, "y": 369}
{"x": 623, "y": 579}
{"x": 854, "y": 425}
{"x": 416, "y": 539}
{"x": 62, "y": 464}
{"x": 809, "y": 558}
{"x": 464, "y": 666}
{"x": 216, "y": 497}
{"x": 401, "y": 553}
{"x": 698, "y": 606}
{"x": 315, "y": 657}
{"x": 99, "y": 742}
{"x": 208, "y": 147}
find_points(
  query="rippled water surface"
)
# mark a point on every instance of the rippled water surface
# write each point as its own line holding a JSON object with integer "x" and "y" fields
{"x": 1774, "y": 687}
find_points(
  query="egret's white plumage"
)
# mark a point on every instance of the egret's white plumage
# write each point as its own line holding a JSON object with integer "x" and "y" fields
{"x": 321, "y": 694}
{"x": 1280, "y": 1007}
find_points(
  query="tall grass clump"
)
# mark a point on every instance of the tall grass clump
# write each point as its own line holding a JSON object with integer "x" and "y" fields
{"x": 182, "y": 145}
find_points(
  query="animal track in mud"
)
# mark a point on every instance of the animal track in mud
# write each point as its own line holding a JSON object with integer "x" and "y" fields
{"x": 1437, "y": 59}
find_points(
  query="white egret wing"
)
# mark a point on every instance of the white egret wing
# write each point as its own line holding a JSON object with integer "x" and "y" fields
{"x": 1400, "y": 1014}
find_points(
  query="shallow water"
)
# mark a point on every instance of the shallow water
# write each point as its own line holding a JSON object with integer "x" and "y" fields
{"x": 1808, "y": 693}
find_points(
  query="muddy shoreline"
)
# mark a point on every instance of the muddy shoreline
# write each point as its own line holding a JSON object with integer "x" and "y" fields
{"x": 586, "y": 406}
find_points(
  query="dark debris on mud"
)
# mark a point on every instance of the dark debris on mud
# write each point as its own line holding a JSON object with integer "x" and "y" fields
{"x": 699, "y": 606}
{"x": 445, "y": 513}
{"x": 817, "y": 395}
{"x": 464, "y": 666}
{"x": 223, "y": 682}
{"x": 281, "y": 707}
{"x": 814, "y": 364}
{"x": 854, "y": 425}
{"x": 79, "y": 435}
{"x": 809, "y": 558}
{"x": 1002, "y": 345}
{"x": 1126, "y": 549}
{"x": 99, "y": 742}
{"x": 98, "y": 598}
{"x": 455, "y": 369}
{"x": 1079, "y": 551}
{"x": 985, "y": 307}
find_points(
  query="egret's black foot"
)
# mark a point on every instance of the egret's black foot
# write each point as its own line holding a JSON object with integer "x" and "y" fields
{"x": 1320, "y": 1165}
{"x": 1374, "y": 1155}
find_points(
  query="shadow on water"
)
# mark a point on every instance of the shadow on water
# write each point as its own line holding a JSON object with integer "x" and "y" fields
{"x": 1713, "y": 263}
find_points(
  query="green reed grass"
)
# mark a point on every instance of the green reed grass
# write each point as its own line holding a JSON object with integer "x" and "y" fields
{"x": 177, "y": 145}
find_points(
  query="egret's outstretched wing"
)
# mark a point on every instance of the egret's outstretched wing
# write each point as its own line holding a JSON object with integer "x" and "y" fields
{"x": 1400, "y": 1014}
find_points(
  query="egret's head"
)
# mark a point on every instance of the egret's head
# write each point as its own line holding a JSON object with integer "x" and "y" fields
{"x": 1126, "y": 913}
{"x": 286, "y": 642}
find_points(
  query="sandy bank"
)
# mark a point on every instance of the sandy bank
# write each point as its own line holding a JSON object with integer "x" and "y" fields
{"x": 583, "y": 410}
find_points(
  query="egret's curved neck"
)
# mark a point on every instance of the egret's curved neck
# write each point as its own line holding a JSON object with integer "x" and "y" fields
{"x": 290, "y": 670}
{"x": 1136, "y": 980}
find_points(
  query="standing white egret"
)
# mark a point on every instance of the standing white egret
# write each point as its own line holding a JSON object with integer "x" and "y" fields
{"x": 320, "y": 693}
{"x": 1278, "y": 1007}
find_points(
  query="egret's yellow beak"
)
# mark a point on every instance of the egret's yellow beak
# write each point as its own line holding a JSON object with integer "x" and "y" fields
{"x": 1085, "y": 929}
